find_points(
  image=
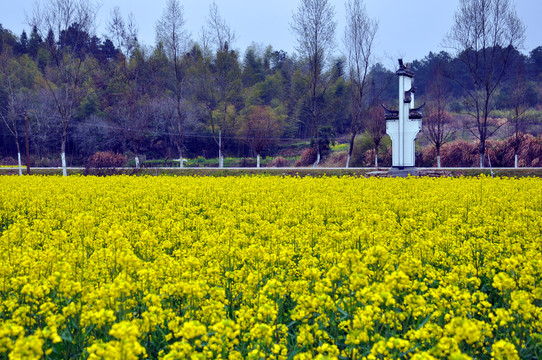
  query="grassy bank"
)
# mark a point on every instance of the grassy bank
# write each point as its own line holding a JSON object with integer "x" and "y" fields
{"x": 456, "y": 172}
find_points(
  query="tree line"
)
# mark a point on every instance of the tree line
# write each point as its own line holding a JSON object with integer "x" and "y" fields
{"x": 183, "y": 98}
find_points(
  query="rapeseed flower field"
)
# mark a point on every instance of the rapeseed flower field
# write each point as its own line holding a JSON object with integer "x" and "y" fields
{"x": 270, "y": 268}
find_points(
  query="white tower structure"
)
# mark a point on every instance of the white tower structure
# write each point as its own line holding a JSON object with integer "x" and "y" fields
{"x": 404, "y": 125}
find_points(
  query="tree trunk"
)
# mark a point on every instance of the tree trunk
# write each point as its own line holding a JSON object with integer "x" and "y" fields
{"x": 180, "y": 150}
{"x": 516, "y": 160}
{"x": 438, "y": 157}
{"x": 19, "y": 156}
{"x": 63, "y": 158}
{"x": 258, "y": 161}
{"x": 137, "y": 161}
{"x": 63, "y": 150}
{"x": 26, "y": 143}
{"x": 350, "y": 150}
{"x": 317, "y": 158}
{"x": 482, "y": 152}
{"x": 376, "y": 159}
{"x": 64, "y": 169}
{"x": 220, "y": 155}
{"x": 181, "y": 136}
{"x": 20, "y": 164}
{"x": 317, "y": 152}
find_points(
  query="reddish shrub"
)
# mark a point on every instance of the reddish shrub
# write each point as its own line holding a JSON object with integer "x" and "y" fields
{"x": 384, "y": 157}
{"x": 530, "y": 151}
{"x": 501, "y": 152}
{"x": 429, "y": 156}
{"x": 105, "y": 159}
{"x": 459, "y": 153}
{"x": 247, "y": 162}
{"x": 307, "y": 158}
{"x": 9, "y": 161}
{"x": 279, "y": 162}
{"x": 336, "y": 159}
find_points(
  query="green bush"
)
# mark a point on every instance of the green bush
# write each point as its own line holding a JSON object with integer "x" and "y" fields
{"x": 362, "y": 144}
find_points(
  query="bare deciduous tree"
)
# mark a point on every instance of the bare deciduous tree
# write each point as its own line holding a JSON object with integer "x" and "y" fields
{"x": 259, "y": 129}
{"x": 122, "y": 33}
{"x": 218, "y": 32}
{"x": 9, "y": 113}
{"x": 519, "y": 108}
{"x": 437, "y": 119}
{"x": 225, "y": 78}
{"x": 314, "y": 26}
{"x": 127, "y": 112}
{"x": 68, "y": 69}
{"x": 132, "y": 117}
{"x": 376, "y": 128}
{"x": 43, "y": 124}
{"x": 484, "y": 34}
{"x": 358, "y": 40}
{"x": 171, "y": 33}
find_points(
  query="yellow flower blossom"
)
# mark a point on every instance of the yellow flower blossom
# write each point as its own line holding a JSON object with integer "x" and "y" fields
{"x": 27, "y": 348}
{"x": 290, "y": 267}
{"x": 503, "y": 350}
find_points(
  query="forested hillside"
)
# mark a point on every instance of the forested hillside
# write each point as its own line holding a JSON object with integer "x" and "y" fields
{"x": 189, "y": 98}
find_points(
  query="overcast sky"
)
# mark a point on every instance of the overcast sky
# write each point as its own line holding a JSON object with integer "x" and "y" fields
{"x": 407, "y": 28}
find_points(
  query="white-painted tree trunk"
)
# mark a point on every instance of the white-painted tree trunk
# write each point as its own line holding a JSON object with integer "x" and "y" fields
{"x": 137, "y": 161}
{"x": 220, "y": 155}
{"x": 482, "y": 160}
{"x": 438, "y": 160}
{"x": 516, "y": 161}
{"x": 64, "y": 170}
{"x": 258, "y": 160}
{"x": 376, "y": 159}
{"x": 317, "y": 160}
{"x": 181, "y": 162}
{"x": 348, "y": 161}
{"x": 20, "y": 164}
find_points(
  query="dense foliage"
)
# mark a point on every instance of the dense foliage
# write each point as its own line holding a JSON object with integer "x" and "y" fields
{"x": 127, "y": 98}
{"x": 173, "y": 268}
